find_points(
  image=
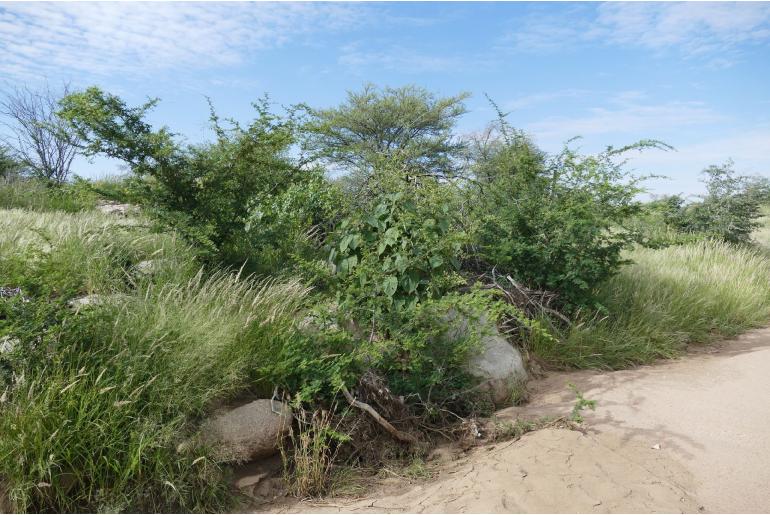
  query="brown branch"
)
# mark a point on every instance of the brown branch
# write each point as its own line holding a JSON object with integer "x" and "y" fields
{"x": 399, "y": 435}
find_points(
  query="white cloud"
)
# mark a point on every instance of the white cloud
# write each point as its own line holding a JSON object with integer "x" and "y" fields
{"x": 397, "y": 57}
{"x": 142, "y": 38}
{"x": 529, "y": 101}
{"x": 626, "y": 115}
{"x": 693, "y": 27}
{"x": 696, "y": 29}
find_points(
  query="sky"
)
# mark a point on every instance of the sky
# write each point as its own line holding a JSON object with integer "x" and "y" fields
{"x": 695, "y": 75}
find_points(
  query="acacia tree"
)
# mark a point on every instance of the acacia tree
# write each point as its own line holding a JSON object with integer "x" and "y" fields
{"x": 407, "y": 125}
{"x": 41, "y": 140}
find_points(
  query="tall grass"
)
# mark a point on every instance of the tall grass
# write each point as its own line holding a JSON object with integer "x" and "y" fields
{"x": 97, "y": 401}
{"x": 667, "y": 299}
{"x": 35, "y": 195}
{"x": 65, "y": 254}
{"x": 762, "y": 234}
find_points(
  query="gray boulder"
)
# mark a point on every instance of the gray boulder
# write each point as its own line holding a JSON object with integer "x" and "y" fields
{"x": 247, "y": 433}
{"x": 497, "y": 364}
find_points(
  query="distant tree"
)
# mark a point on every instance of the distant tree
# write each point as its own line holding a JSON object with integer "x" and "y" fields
{"x": 729, "y": 211}
{"x": 42, "y": 141}
{"x": 408, "y": 125}
{"x": 10, "y": 167}
{"x": 759, "y": 188}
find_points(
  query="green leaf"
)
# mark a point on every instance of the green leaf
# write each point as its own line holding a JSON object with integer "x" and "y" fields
{"x": 345, "y": 242}
{"x": 389, "y": 285}
{"x": 391, "y": 236}
{"x": 400, "y": 263}
{"x": 436, "y": 261}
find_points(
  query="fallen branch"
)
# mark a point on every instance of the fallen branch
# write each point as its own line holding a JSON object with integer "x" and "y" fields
{"x": 398, "y": 435}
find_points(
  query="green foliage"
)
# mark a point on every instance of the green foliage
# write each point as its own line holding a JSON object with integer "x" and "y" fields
{"x": 394, "y": 255}
{"x": 375, "y": 125}
{"x": 659, "y": 223}
{"x": 554, "y": 223}
{"x": 581, "y": 403}
{"x": 429, "y": 345}
{"x": 206, "y": 192}
{"x": 728, "y": 211}
{"x": 125, "y": 189}
{"x": 286, "y": 230}
{"x": 10, "y": 167}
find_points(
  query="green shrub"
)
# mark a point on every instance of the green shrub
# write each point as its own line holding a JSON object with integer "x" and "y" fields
{"x": 391, "y": 257}
{"x": 554, "y": 223}
{"x": 10, "y": 167}
{"x": 206, "y": 192}
{"x": 728, "y": 212}
{"x": 286, "y": 231}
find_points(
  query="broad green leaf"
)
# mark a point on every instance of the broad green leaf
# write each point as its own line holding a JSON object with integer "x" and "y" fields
{"x": 389, "y": 285}
{"x": 436, "y": 261}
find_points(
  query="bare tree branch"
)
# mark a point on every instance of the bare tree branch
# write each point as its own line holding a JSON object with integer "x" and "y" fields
{"x": 40, "y": 139}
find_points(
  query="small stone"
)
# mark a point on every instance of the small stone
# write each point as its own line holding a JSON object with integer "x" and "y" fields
{"x": 656, "y": 447}
{"x": 7, "y": 344}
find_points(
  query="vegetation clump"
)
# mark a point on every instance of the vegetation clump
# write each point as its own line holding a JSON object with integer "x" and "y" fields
{"x": 374, "y": 290}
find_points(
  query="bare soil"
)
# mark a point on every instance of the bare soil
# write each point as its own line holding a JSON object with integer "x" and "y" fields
{"x": 691, "y": 435}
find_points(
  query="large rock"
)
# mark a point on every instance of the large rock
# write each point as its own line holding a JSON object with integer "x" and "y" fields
{"x": 496, "y": 363}
{"x": 247, "y": 433}
{"x": 499, "y": 366}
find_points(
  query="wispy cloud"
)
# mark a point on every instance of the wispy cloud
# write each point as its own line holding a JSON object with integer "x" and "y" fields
{"x": 143, "y": 38}
{"x": 397, "y": 57}
{"x": 534, "y": 100}
{"x": 710, "y": 30}
{"x": 626, "y": 113}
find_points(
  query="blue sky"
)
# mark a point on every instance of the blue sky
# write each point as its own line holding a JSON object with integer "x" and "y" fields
{"x": 696, "y": 75}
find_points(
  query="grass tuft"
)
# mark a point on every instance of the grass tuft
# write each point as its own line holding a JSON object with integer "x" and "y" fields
{"x": 668, "y": 299}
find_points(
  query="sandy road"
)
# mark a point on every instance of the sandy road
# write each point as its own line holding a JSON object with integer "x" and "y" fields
{"x": 681, "y": 436}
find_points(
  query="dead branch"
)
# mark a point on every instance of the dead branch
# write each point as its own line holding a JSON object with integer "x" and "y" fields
{"x": 399, "y": 435}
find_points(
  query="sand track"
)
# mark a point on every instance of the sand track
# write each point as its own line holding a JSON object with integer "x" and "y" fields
{"x": 681, "y": 436}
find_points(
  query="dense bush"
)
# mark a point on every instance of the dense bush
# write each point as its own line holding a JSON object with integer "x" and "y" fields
{"x": 728, "y": 212}
{"x": 98, "y": 398}
{"x": 394, "y": 255}
{"x": 10, "y": 167}
{"x": 552, "y": 222}
{"x": 207, "y": 192}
